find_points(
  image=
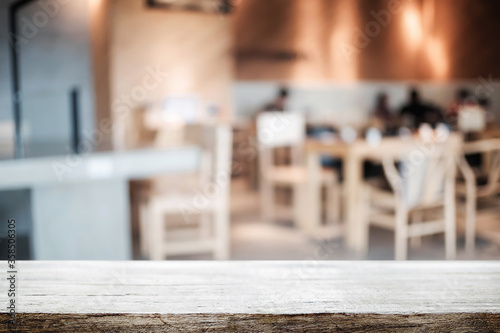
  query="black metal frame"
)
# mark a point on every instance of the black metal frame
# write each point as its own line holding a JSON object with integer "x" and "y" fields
{"x": 16, "y": 87}
{"x": 75, "y": 120}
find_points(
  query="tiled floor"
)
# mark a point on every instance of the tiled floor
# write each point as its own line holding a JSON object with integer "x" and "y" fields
{"x": 254, "y": 239}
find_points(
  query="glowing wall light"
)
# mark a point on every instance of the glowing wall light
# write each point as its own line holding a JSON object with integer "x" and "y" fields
{"x": 438, "y": 59}
{"x": 412, "y": 25}
{"x": 345, "y": 59}
{"x": 435, "y": 49}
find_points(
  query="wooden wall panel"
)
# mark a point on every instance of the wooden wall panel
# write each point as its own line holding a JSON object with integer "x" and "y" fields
{"x": 195, "y": 49}
{"x": 308, "y": 31}
{"x": 469, "y": 30}
{"x": 422, "y": 40}
{"x": 100, "y": 33}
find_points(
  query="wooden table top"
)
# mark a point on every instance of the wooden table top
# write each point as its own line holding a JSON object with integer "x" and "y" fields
{"x": 254, "y": 296}
{"x": 483, "y": 145}
{"x": 491, "y": 133}
{"x": 337, "y": 148}
{"x": 388, "y": 146}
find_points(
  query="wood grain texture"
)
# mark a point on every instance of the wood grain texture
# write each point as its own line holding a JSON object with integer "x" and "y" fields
{"x": 195, "y": 49}
{"x": 100, "y": 41}
{"x": 254, "y": 323}
{"x": 313, "y": 296}
{"x": 341, "y": 40}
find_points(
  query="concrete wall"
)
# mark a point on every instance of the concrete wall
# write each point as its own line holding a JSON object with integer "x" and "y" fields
{"x": 16, "y": 204}
{"x": 54, "y": 57}
{"x": 5, "y": 84}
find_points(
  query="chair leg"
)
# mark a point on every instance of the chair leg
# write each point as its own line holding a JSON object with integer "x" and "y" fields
{"x": 333, "y": 203}
{"x": 364, "y": 215}
{"x": 417, "y": 217}
{"x": 299, "y": 207}
{"x": 267, "y": 200}
{"x": 144, "y": 229}
{"x": 450, "y": 230}
{"x": 221, "y": 234}
{"x": 470, "y": 220}
{"x": 401, "y": 234}
{"x": 156, "y": 233}
{"x": 204, "y": 225}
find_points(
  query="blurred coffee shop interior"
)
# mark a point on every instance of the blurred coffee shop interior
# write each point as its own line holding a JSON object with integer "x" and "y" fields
{"x": 250, "y": 129}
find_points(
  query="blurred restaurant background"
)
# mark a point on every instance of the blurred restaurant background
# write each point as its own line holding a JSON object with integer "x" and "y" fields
{"x": 250, "y": 129}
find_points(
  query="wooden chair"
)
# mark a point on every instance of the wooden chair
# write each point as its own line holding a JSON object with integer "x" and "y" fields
{"x": 471, "y": 119}
{"x": 203, "y": 206}
{"x": 278, "y": 130}
{"x": 475, "y": 187}
{"x": 423, "y": 186}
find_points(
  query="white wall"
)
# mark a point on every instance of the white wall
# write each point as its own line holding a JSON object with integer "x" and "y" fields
{"x": 346, "y": 103}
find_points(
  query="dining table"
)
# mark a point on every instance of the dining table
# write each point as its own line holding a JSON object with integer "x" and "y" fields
{"x": 353, "y": 155}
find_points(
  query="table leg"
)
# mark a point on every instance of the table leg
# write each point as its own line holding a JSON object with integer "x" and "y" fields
{"x": 311, "y": 218}
{"x": 486, "y": 162}
{"x": 352, "y": 187}
{"x": 450, "y": 218}
{"x": 470, "y": 205}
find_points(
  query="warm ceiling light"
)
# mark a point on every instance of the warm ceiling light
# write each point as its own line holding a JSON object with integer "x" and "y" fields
{"x": 413, "y": 26}
{"x": 95, "y": 5}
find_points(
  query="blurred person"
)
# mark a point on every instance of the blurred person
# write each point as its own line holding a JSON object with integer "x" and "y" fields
{"x": 484, "y": 103}
{"x": 280, "y": 102}
{"x": 463, "y": 98}
{"x": 382, "y": 116}
{"x": 416, "y": 112}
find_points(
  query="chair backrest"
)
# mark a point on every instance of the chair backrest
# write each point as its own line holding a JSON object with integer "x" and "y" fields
{"x": 280, "y": 130}
{"x": 494, "y": 172}
{"x": 216, "y": 164}
{"x": 491, "y": 165}
{"x": 215, "y": 158}
{"x": 217, "y": 144}
{"x": 422, "y": 174}
{"x": 471, "y": 119}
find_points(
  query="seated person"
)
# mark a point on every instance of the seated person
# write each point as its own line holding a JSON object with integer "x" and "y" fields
{"x": 383, "y": 118}
{"x": 280, "y": 102}
{"x": 462, "y": 98}
{"x": 484, "y": 103}
{"x": 416, "y": 112}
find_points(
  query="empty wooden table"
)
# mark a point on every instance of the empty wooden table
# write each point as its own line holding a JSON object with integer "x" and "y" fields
{"x": 307, "y": 296}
